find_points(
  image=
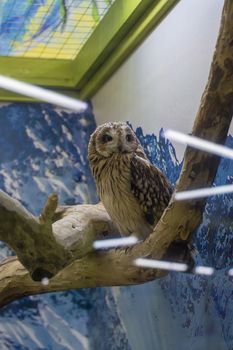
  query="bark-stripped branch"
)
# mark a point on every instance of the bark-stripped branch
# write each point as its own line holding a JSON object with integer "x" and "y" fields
{"x": 64, "y": 249}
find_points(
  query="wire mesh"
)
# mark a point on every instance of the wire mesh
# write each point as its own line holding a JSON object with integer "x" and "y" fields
{"x": 56, "y": 29}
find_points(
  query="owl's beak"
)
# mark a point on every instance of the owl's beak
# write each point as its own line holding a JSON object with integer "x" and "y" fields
{"x": 120, "y": 148}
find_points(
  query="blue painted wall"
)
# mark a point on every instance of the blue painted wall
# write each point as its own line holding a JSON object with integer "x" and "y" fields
{"x": 44, "y": 149}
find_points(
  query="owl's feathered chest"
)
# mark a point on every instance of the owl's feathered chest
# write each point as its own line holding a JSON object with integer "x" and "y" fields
{"x": 113, "y": 180}
{"x": 115, "y": 175}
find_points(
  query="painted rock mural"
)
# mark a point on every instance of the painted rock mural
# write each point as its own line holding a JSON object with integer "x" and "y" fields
{"x": 43, "y": 149}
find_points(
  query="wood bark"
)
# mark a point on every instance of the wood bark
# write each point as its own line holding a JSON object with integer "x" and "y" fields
{"x": 63, "y": 249}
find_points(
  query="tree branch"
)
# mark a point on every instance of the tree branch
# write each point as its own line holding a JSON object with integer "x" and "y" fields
{"x": 45, "y": 248}
{"x": 64, "y": 248}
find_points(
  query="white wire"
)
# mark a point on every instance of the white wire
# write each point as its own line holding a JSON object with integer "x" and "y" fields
{"x": 42, "y": 94}
{"x": 173, "y": 266}
{"x": 115, "y": 242}
{"x": 203, "y": 192}
{"x": 45, "y": 281}
{"x": 163, "y": 265}
{"x": 199, "y": 143}
{"x": 204, "y": 270}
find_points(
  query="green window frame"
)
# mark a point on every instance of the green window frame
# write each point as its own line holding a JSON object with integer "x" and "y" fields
{"x": 123, "y": 28}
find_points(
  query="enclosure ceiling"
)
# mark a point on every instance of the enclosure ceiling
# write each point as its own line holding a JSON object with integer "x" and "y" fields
{"x": 72, "y": 44}
{"x": 55, "y": 29}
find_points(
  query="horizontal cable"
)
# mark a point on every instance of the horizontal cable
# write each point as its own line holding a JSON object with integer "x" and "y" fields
{"x": 161, "y": 264}
{"x": 199, "y": 143}
{"x": 203, "y": 192}
{"x": 42, "y": 94}
{"x": 173, "y": 266}
{"x": 115, "y": 242}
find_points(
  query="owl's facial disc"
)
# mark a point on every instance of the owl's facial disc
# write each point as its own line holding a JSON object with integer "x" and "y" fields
{"x": 116, "y": 138}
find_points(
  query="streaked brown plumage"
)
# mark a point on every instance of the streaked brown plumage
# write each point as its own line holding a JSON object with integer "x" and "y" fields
{"x": 133, "y": 191}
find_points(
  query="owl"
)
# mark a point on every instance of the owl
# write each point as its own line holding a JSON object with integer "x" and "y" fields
{"x": 133, "y": 191}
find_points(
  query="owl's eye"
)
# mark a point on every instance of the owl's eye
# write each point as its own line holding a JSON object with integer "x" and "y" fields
{"x": 106, "y": 138}
{"x": 129, "y": 138}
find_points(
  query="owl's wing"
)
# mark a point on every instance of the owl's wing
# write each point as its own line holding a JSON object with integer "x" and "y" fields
{"x": 151, "y": 188}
